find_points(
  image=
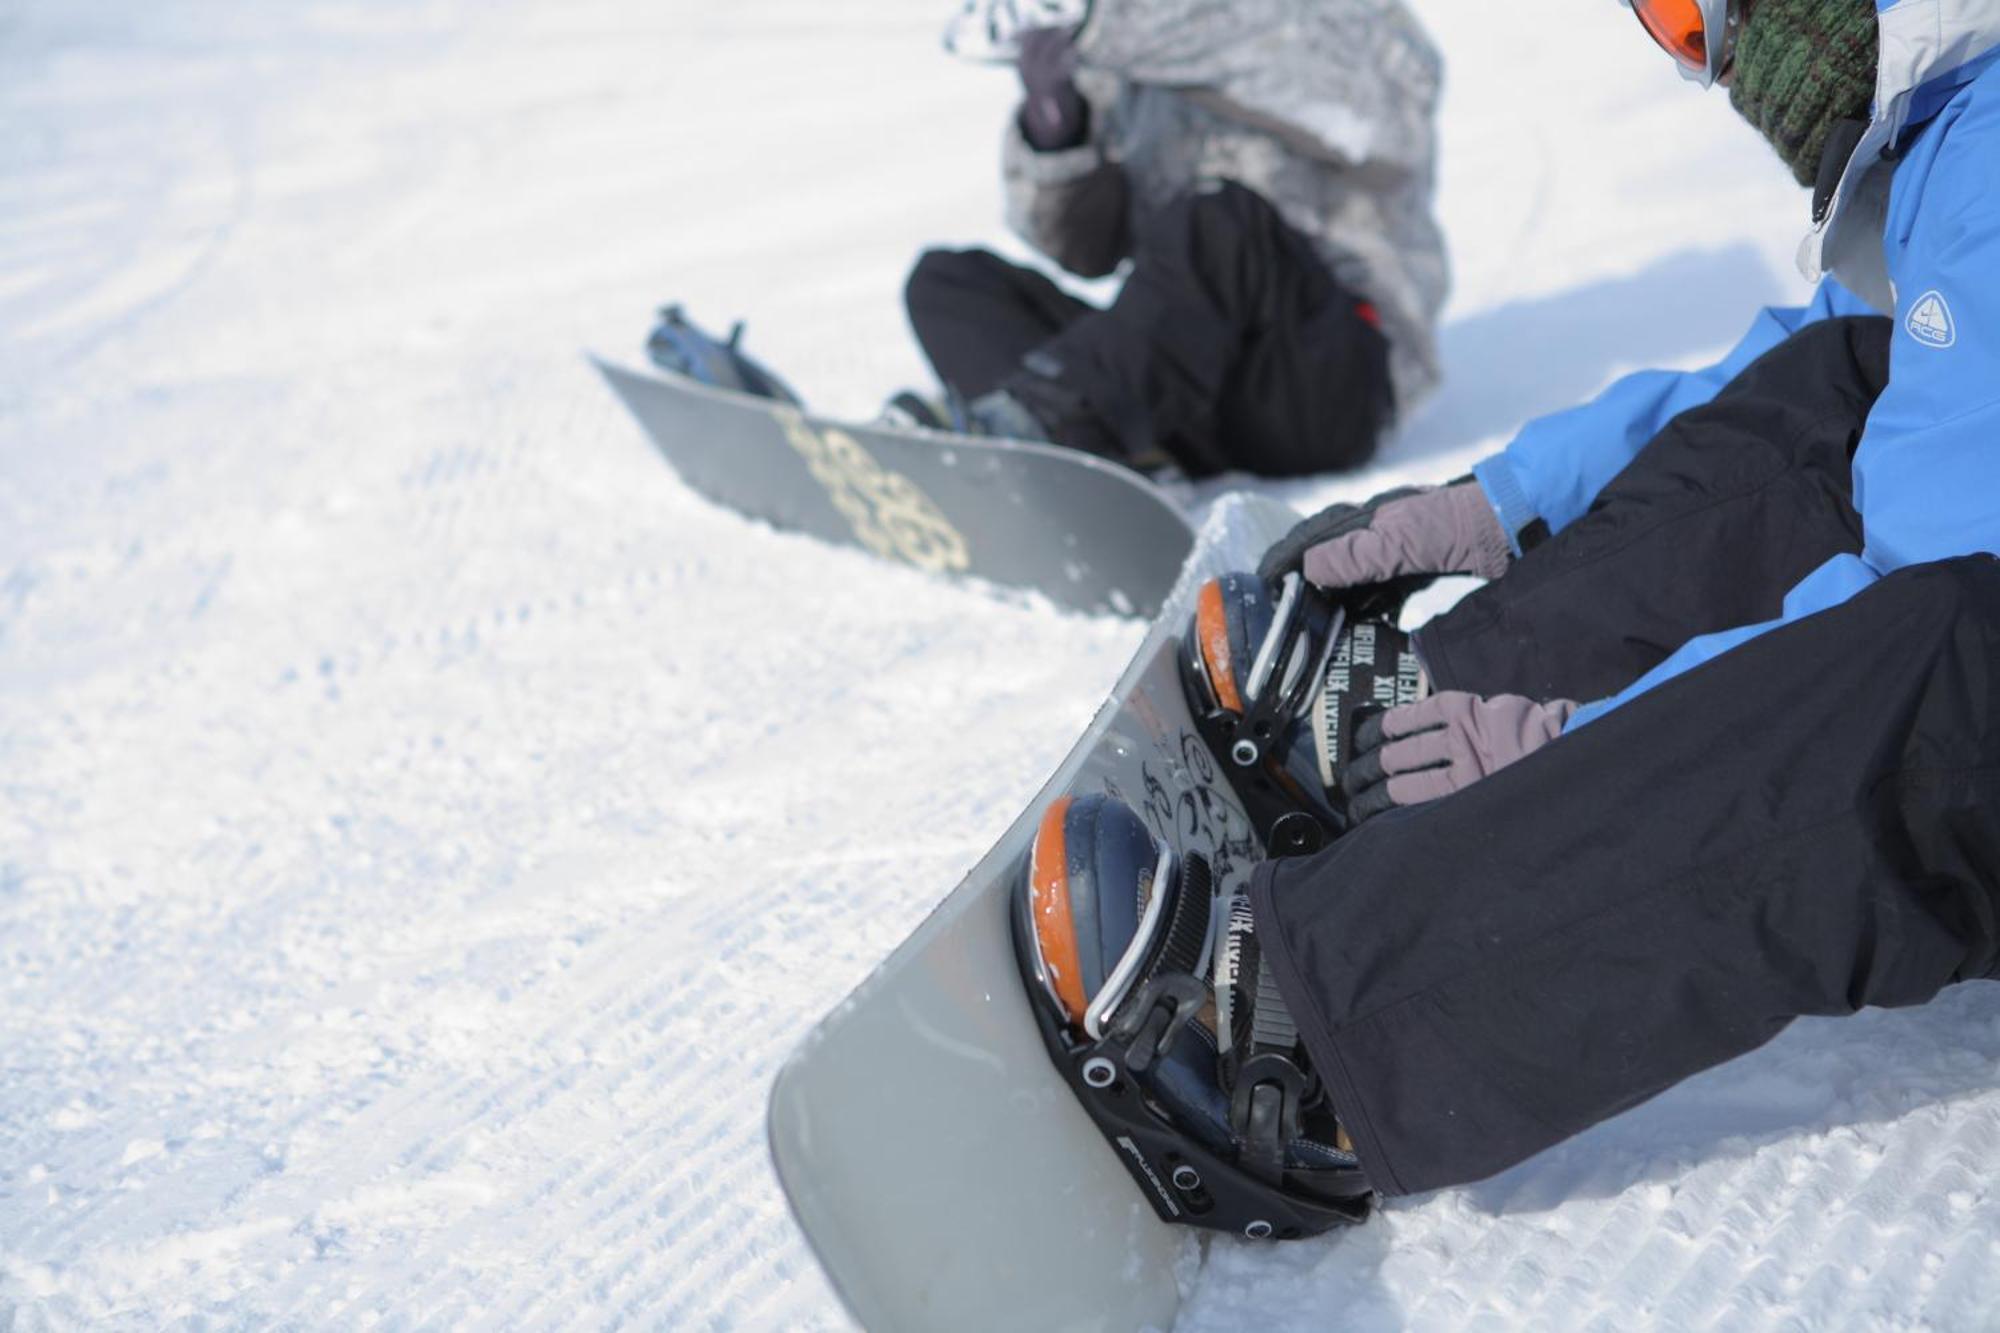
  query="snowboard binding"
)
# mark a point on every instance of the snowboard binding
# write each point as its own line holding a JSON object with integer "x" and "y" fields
{"x": 678, "y": 344}
{"x": 1199, "y": 1087}
{"x": 1277, "y": 687}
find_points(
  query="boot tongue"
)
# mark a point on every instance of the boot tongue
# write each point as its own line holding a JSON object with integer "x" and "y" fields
{"x": 1373, "y": 667}
{"x": 1801, "y": 67}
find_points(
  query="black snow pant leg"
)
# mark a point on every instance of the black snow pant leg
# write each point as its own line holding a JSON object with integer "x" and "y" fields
{"x": 976, "y": 315}
{"x": 1807, "y": 824}
{"x": 1709, "y": 526}
{"x": 1230, "y": 346}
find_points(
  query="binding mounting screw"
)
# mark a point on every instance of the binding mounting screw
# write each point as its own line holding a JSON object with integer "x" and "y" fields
{"x": 1244, "y": 753}
{"x": 1258, "y": 1230}
{"x": 1099, "y": 1072}
{"x": 1186, "y": 1179}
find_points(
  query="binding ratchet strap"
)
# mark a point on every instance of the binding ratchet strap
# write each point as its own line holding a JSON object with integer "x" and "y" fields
{"x": 1270, "y": 1088}
{"x": 1165, "y": 992}
{"x": 1271, "y": 1025}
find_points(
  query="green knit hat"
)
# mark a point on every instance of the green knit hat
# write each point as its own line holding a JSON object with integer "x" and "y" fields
{"x": 1802, "y": 66}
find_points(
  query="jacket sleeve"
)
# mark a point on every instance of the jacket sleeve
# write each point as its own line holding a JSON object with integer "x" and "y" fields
{"x": 1558, "y": 463}
{"x": 1927, "y": 470}
{"x": 1069, "y": 204}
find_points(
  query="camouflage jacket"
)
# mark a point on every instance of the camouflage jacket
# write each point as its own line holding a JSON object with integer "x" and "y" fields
{"x": 1324, "y": 107}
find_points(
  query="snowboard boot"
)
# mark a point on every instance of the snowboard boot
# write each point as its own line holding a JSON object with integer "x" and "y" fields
{"x": 1044, "y": 391}
{"x": 997, "y": 415}
{"x": 911, "y": 410}
{"x": 1002, "y": 416}
{"x": 678, "y": 344}
{"x": 1278, "y": 680}
{"x": 1169, "y": 1029}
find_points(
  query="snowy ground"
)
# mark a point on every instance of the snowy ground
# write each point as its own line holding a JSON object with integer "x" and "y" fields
{"x": 424, "y": 827}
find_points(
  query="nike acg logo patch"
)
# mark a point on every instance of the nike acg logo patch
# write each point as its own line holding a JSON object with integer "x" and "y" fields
{"x": 1930, "y": 322}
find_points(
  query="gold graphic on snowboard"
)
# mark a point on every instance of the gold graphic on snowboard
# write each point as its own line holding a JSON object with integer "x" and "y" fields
{"x": 890, "y": 516}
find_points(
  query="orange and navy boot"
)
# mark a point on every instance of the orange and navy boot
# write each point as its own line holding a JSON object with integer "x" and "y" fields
{"x": 1277, "y": 680}
{"x": 1154, "y": 1005}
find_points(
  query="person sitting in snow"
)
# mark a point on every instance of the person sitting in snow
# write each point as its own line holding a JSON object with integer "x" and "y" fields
{"x": 1718, "y": 745}
{"x": 1266, "y": 169}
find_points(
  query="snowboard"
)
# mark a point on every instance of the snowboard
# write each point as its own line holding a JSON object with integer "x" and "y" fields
{"x": 1087, "y": 534}
{"x": 941, "y": 1169}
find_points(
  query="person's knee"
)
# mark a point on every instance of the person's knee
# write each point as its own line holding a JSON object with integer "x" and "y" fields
{"x": 1858, "y": 344}
{"x": 943, "y": 279}
{"x": 1827, "y": 365}
{"x": 1211, "y": 220}
{"x": 930, "y": 274}
{"x": 1928, "y": 607}
{"x": 1950, "y": 590}
{"x": 1232, "y": 207}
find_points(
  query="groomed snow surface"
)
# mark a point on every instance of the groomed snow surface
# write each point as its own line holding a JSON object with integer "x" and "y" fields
{"x": 425, "y": 827}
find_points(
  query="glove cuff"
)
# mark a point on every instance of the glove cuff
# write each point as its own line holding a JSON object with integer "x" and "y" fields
{"x": 1558, "y": 712}
{"x": 1511, "y": 506}
{"x": 1488, "y": 551}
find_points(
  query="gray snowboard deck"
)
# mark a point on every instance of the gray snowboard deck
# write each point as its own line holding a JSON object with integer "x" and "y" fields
{"x": 1087, "y": 534}
{"x": 939, "y": 1166}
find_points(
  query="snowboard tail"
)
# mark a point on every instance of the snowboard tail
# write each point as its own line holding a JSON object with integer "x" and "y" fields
{"x": 939, "y": 1163}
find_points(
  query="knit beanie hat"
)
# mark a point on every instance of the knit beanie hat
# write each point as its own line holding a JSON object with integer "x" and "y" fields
{"x": 1803, "y": 66}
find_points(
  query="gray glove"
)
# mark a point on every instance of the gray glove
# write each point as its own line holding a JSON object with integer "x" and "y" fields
{"x": 1421, "y": 751}
{"x": 1054, "y": 115}
{"x": 1448, "y": 529}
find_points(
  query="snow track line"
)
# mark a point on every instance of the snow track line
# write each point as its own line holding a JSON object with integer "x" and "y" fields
{"x": 629, "y": 1210}
{"x": 616, "y": 1009}
{"x": 695, "y": 1125}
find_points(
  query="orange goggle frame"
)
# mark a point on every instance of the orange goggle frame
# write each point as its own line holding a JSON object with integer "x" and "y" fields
{"x": 1698, "y": 34}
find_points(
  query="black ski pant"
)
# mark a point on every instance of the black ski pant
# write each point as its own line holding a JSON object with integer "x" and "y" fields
{"x": 1230, "y": 345}
{"x": 1807, "y": 824}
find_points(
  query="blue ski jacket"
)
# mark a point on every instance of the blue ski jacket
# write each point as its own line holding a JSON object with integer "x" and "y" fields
{"x": 1913, "y": 230}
